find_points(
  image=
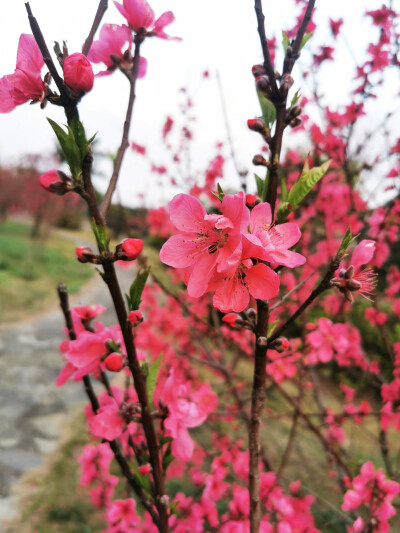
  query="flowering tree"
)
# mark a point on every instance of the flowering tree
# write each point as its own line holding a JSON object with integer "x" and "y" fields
{"x": 279, "y": 297}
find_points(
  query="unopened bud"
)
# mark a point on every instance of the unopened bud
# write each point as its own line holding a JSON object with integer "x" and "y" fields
{"x": 262, "y": 341}
{"x": 56, "y": 182}
{"x": 114, "y": 362}
{"x": 252, "y": 200}
{"x": 259, "y": 160}
{"x": 129, "y": 249}
{"x": 251, "y": 313}
{"x": 256, "y": 124}
{"x": 286, "y": 82}
{"x": 295, "y": 122}
{"x": 295, "y": 111}
{"x": 86, "y": 255}
{"x": 78, "y": 73}
{"x": 258, "y": 70}
{"x": 281, "y": 344}
{"x": 263, "y": 85}
{"x": 135, "y": 317}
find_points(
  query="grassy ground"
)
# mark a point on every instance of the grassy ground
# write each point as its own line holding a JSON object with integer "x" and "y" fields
{"x": 30, "y": 270}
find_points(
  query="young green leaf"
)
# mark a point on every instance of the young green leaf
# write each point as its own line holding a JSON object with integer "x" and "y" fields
{"x": 285, "y": 41}
{"x": 267, "y": 109}
{"x": 308, "y": 179}
{"x": 69, "y": 148}
{"x": 305, "y": 39}
{"x": 78, "y": 131}
{"x": 346, "y": 241}
{"x": 100, "y": 233}
{"x": 136, "y": 289}
{"x": 296, "y": 98}
{"x": 259, "y": 184}
{"x": 152, "y": 378}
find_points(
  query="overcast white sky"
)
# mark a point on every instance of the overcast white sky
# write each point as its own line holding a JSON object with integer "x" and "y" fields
{"x": 217, "y": 35}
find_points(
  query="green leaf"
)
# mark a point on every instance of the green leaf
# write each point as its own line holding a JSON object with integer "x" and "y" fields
{"x": 284, "y": 191}
{"x": 264, "y": 191}
{"x": 69, "y": 148}
{"x": 285, "y": 41}
{"x": 143, "y": 481}
{"x": 271, "y": 327}
{"x": 92, "y": 138}
{"x": 346, "y": 241}
{"x": 260, "y": 184}
{"x": 308, "y": 179}
{"x": 305, "y": 39}
{"x": 267, "y": 109}
{"x": 152, "y": 378}
{"x": 167, "y": 458}
{"x": 295, "y": 98}
{"x": 79, "y": 134}
{"x": 136, "y": 289}
{"x": 220, "y": 193}
{"x": 100, "y": 233}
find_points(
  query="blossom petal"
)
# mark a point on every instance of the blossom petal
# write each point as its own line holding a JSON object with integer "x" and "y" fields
{"x": 260, "y": 218}
{"x": 187, "y": 214}
{"x": 363, "y": 254}
{"x": 231, "y": 295}
{"x": 262, "y": 282}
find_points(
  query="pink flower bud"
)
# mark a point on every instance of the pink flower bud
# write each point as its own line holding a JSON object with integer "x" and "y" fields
{"x": 230, "y": 319}
{"x": 145, "y": 469}
{"x": 86, "y": 255}
{"x": 134, "y": 317}
{"x": 55, "y": 182}
{"x": 114, "y": 362}
{"x": 256, "y": 124}
{"x": 251, "y": 199}
{"x": 129, "y": 249}
{"x": 78, "y": 72}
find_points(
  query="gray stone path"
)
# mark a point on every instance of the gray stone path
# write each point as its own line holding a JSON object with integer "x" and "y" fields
{"x": 33, "y": 410}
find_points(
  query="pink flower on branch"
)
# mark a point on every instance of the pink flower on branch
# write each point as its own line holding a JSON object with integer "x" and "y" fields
{"x": 139, "y": 15}
{"x": 355, "y": 278}
{"x": 114, "y": 50}
{"x": 26, "y": 82}
{"x": 205, "y": 243}
{"x": 78, "y": 73}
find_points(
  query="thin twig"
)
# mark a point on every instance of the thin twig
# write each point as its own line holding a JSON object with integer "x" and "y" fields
{"x": 125, "y": 469}
{"x": 293, "y": 54}
{"x": 269, "y": 67}
{"x": 322, "y": 286}
{"x": 291, "y": 292}
{"x": 102, "y": 8}
{"x": 228, "y": 133}
{"x": 127, "y": 124}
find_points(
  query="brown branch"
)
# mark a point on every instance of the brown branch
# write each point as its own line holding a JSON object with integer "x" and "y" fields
{"x": 120, "y": 458}
{"x": 293, "y": 52}
{"x": 111, "y": 280}
{"x": 102, "y": 8}
{"x": 88, "y": 192}
{"x": 257, "y": 405}
{"x": 105, "y": 205}
{"x": 322, "y": 286}
{"x": 289, "y": 446}
{"x": 312, "y": 427}
{"x": 268, "y": 66}
{"x": 69, "y": 105}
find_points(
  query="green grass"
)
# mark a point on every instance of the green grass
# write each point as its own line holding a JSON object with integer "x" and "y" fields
{"x": 31, "y": 269}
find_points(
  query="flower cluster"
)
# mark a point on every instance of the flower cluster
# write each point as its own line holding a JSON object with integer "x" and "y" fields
{"x": 226, "y": 253}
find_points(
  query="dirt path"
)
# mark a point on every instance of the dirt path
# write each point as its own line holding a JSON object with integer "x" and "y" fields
{"x": 33, "y": 411}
